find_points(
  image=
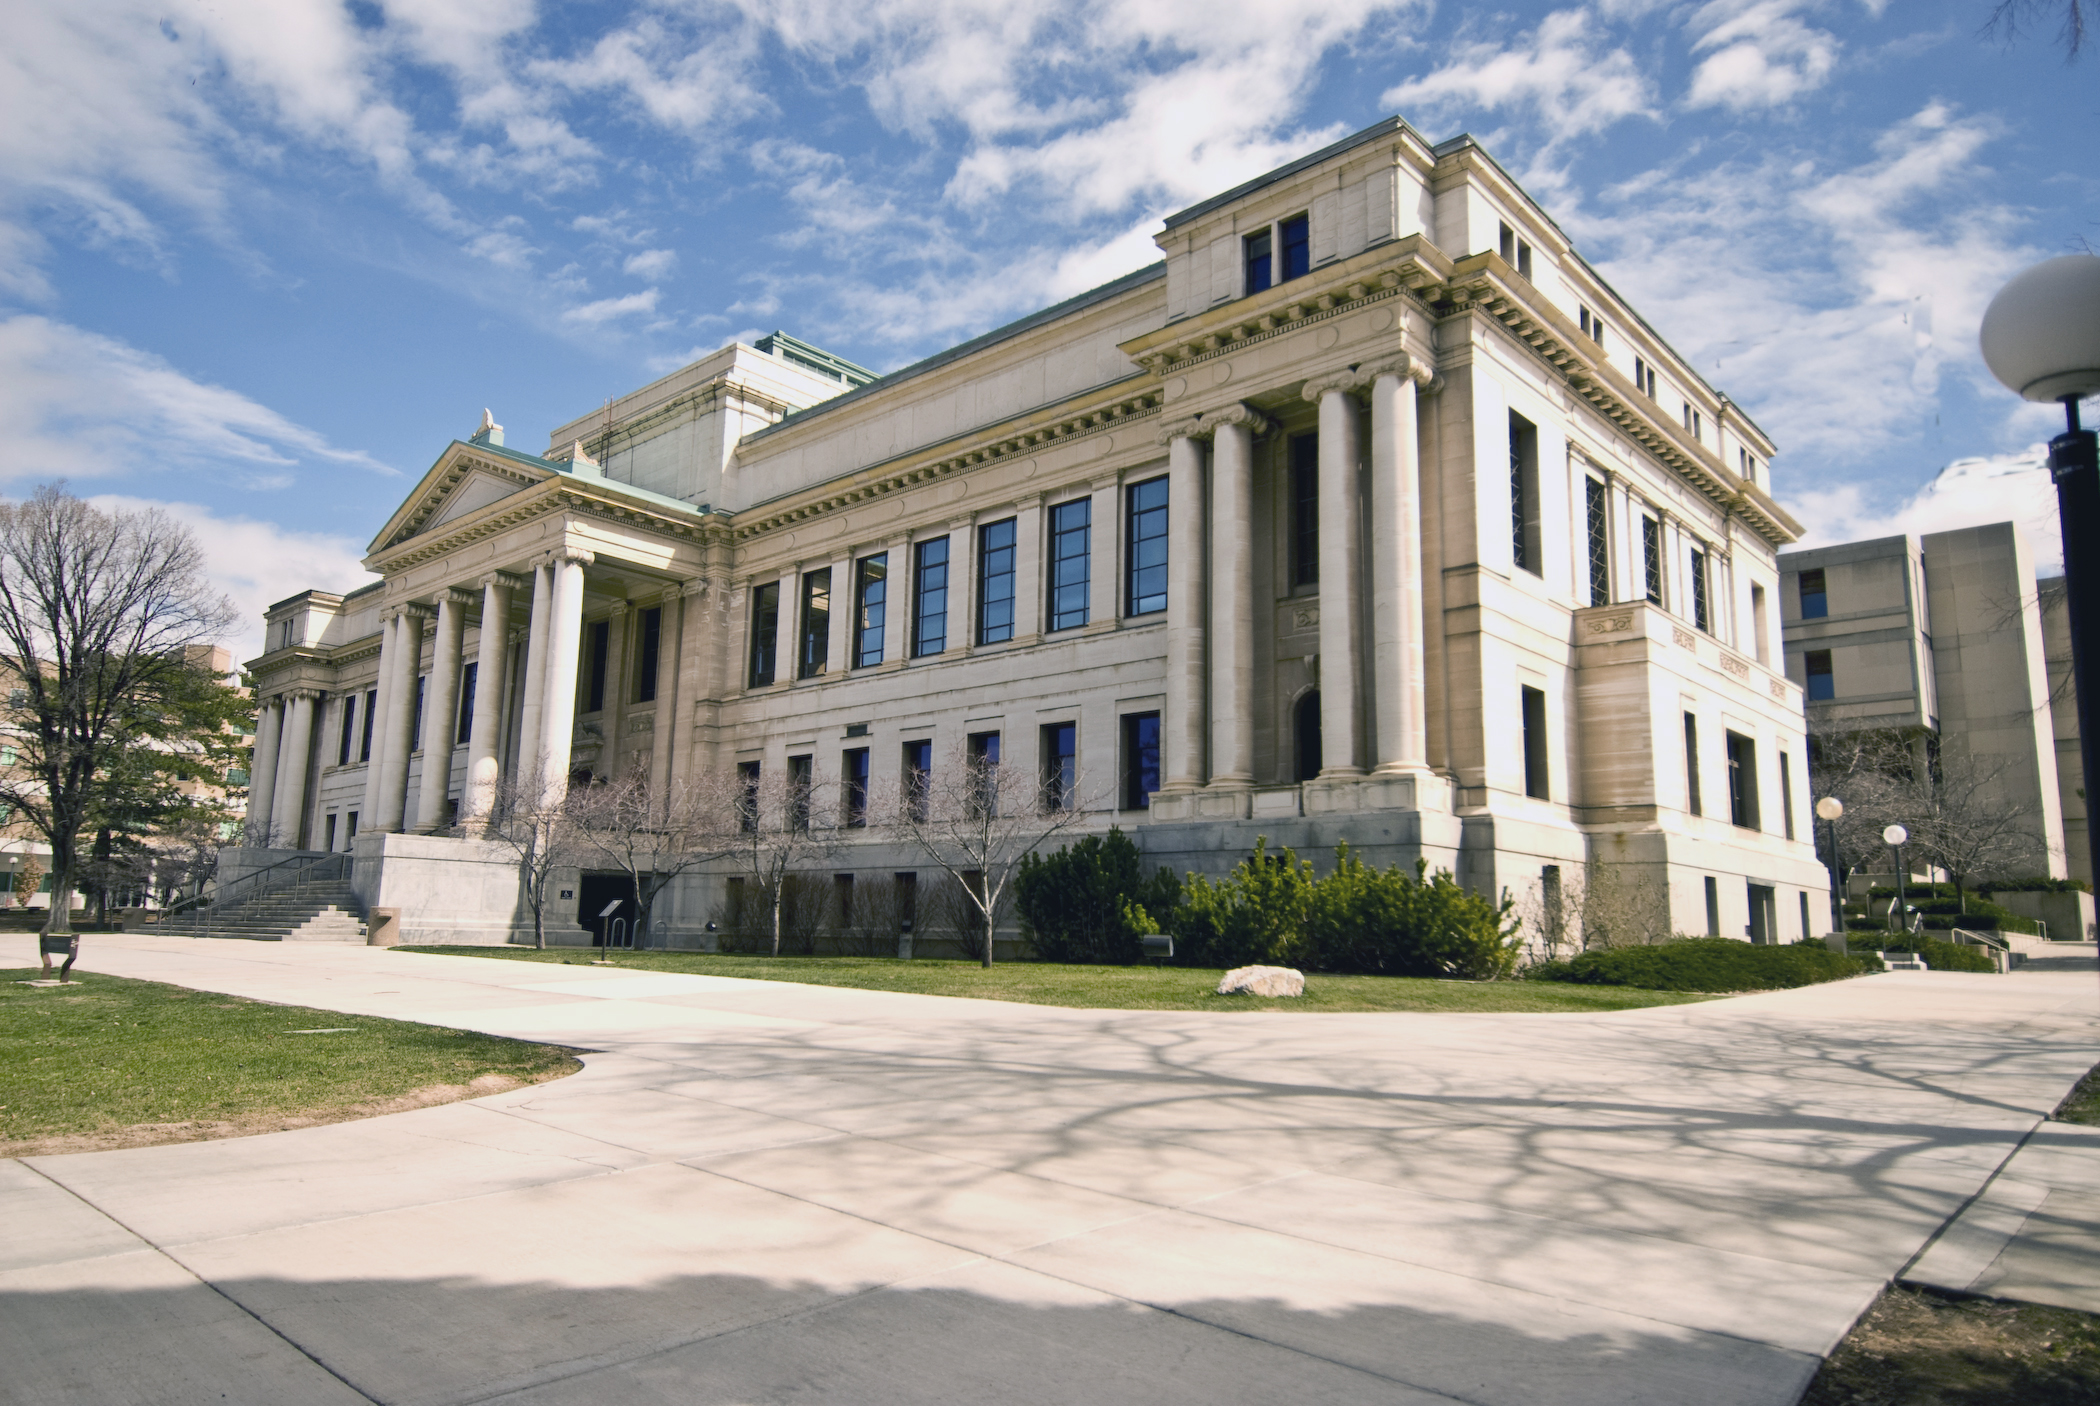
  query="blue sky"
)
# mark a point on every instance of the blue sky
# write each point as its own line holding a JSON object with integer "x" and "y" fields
{"x": 261, "y": 259}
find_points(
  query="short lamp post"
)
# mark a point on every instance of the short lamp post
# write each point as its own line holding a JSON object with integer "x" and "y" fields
{"x": 2041, "y": 337}
{"x": 1896, "y": 837}
{"x": 1828, "y": 810}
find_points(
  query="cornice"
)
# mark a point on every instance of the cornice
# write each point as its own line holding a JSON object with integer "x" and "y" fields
{"x": 1009, "y": 440}
{"x": 553, "y": 496}
{"x": 1485, "y": 283}
{"x": 467, "y": 462}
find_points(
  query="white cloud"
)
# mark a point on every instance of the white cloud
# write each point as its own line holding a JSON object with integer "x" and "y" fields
{"x": 259, "y": 563}
{"x": 1758, "y": 54}
{"x": 86, "y": 406}
{"x": 1561, "y": 75}
{"x": 2013, "y": 487}
{"x": 650, "y": 263}
{"x": 607, "y": 309}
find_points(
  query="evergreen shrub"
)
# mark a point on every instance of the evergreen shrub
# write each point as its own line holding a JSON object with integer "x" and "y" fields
{"x": 1090, "y": 901}
{"x": 1705, "y": 964}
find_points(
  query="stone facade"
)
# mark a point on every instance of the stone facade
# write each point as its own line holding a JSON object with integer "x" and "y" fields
{"x": 1370, "y": 514}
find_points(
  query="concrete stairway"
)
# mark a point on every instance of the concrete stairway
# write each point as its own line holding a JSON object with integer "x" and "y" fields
{"x": 323, "y": 910}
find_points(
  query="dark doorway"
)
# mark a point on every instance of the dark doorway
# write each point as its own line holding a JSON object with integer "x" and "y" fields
{"x": 1764, "y": 914}
{"x": 1305, "y": 726}
{"x": 594, "y": 895}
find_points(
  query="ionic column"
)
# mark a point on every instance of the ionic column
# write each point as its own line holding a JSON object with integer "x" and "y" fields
{"x": 401, "y": 719}
{"x": 558, "y": 693}
{"x": 663, "y": 733}
{"x": 376, "y": 767}
{"x": 1185, "y": 725}
{"x": 1400, "y": 724}
{"x": 288, "y": 810}
{"x": 529, "y": 768}
{"x": 1341, "y": 577}
{"x": 483, "y": 768}
{"x": 262, "y": 770}
{"x": 441, "y": 706}
{"x": 1232, "y": 594}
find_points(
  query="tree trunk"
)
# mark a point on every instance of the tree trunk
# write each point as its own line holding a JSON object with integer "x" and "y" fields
{"x": 984, "y": 906}
{"x": 778, "y": 890}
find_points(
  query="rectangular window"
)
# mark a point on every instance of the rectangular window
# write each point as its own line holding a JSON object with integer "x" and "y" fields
{"x": 1652, "y": 558}
{"x": 747, "y": 779}
{"x": 984, "y": 763}
{"x": 364, "y": 745}
{"x": 351, "y": 827}
{"x": 1255, "y": 248}
{"x": 1822, "y": 683}
{"x": 1757, "y": 624}
{"x": 1071, "y": 562}
{"x": 469, "y": 678}
{"x": 871, "y": 594}
{"x": 1534, "y": 703}
{"x": 814, "y": 651}
{"x": 1742, "y": 781}
{"x": 1297, "y": 247}
{"x": 918, "y": 778}
{"x": 801, "y": 783}
{"x": 1691, "y": 765}
{"x": 1145, "y": 509}
{"x": 1786, "y": 802}
{"x": 1515, "y": 252}
{"x": 1524, "y": 494}
{"x": 349, "y": 738}
{"x": 995, "y": 582}
{"x": 1140, "y": 759}
{"x": 1815, "y": 596}
{"x": 1060, "y": 766}
{"x": 1748, "y": 463}
{"x": 599, "y": 646}
{"x": 650, "y": 654}
{"x": 1693, "y": 420}
{"x": 930, "y": 612}
{"x": 1600, "y": 541}
{"x": 1713, "y": 907}
{"x": 1644, "y": 378}
{"x": 1699, "y": 616}
{"x": 853, "y": 773}
{"x": 1305, "y": 510}
{"x": 328, "y": 843}
{"x": 415, "y": 725}
{"x": 765, "y": 632}
{"x": 1593, "y": 326}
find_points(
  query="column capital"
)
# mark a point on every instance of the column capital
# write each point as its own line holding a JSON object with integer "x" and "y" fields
{"x": 579, "y": 556}
{"x": 1347, "y": 381}
{"x": 619, "y": 608}
{"x": 509, "y": 579}
{"x": 1207, "y": 423}
{"x": 692, "y": 589}
{"x": 456, "y": 595}
{"x": 1405, "y": 366}
{"x": 304, "y": 695}
{"x": 410, "y": 610}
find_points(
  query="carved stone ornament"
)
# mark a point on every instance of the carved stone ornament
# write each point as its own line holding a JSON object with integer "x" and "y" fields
{"x": 1305, "y": 617}
{"x": 1778, "y": 687}
{"x": 1685, "y": 638}
{"x": 1611, "y": 624}
{"x": 1735, "y": 666}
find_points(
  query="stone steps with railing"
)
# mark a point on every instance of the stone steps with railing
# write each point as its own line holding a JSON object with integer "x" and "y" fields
{"x": 305, "y": 899}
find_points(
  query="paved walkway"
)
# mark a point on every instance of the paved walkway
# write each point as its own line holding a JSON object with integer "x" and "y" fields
{"x": 758, "y": 1192}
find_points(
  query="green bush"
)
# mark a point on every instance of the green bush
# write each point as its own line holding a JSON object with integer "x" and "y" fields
{"x": 2034, "y": 884}
{"x": 1253, "y": 915}
{"x": 1704, "y": 964}
{"x": 1391, "y": 923}
{"x": 1939, "y": 956}
{"x": 1090, "y": 901}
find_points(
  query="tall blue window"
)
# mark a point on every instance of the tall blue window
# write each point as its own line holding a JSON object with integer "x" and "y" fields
{"x": 1297, "y": 247}
{"x": 1071, "y": 562}
{"x": 995, "y": 582}
{"x": 1060, "y": 766}
{"x": 469, "y": 679}
{"x": 765, "y": 632}
{"x": 1140, "y": 759}
{"x": 1822, "y": 680}
{"x": 930, "y": 613}
{"x": 871, "y": 591}
{"x": 349, "y": 729}
{"x": 1146, "y": 512}
{"x": 918, "y": 778}
{"x": 1815, "y": 595}
{"x": 1257, "y": 255}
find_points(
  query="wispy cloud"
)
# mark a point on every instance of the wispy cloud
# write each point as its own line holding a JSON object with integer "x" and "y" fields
{"x": 1758, "y": 53}
{"x": 611, "y": 309}
{"x": 1566, "y": 77}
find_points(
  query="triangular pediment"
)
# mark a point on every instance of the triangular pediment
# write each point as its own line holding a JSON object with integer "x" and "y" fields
{"x": 465, "y": 479}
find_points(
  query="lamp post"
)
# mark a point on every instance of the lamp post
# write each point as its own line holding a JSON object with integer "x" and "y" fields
{"x": 1828, "y": 810}
{"x": 1896, "y": 837}
{"x": 2041, "y": 337}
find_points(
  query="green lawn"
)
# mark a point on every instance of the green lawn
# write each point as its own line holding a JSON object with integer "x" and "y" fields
{"x": 106, "y": 1057}
{"x": 1138, "y": 988}
{"x": 2082, "y": 1104}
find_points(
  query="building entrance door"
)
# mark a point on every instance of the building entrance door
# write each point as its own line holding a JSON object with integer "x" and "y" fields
{"x": 1764, "y": 914}
{"x": 595, "y": 894}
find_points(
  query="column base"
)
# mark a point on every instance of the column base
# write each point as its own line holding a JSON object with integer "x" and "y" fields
{"x": 1379, "y": 791}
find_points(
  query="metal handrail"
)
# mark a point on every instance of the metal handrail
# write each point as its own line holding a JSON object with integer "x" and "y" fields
{"x": 1981, "y": 938}
{"x": 229, "y": 894}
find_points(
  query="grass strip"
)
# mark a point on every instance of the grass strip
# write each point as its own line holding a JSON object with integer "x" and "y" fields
{"x": 2082, "y": 1104}
{"x": 1917, "y": 1346}
{"x": 1137, "y": 988}
{"x": 112, "y": 1062}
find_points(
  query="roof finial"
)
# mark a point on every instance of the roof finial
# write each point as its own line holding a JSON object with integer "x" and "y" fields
{"x": 489, "y": 432}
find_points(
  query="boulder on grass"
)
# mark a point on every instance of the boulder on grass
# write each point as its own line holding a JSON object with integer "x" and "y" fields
{"x": 1263, "y": 981}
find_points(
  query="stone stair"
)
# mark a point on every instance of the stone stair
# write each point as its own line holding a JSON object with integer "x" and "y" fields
{"x": 323, "y": 910}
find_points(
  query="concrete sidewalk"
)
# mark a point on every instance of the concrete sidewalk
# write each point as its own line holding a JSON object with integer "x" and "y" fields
{"x": 760, "y": 1192}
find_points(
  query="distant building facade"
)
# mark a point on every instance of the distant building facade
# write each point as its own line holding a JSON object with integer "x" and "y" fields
{"x": 1945, "y": 639}
{"x": 1371, "y": 514}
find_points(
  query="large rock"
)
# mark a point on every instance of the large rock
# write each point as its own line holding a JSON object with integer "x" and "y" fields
{"x": 1263, "y": 981}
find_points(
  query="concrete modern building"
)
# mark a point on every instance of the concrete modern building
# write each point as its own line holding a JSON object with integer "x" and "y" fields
{"x": 1371, "y": 513}
{"x": 1942, "y": 638}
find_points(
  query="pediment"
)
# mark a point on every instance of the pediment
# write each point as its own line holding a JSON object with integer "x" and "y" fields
{"x": 464, "y": 480}
{"x": 477, "y": 490}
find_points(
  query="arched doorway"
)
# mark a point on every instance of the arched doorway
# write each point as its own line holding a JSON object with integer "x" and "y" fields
{"x": 1305, "y": 727}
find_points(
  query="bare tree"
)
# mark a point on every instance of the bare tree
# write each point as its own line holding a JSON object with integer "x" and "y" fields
{"x": 2010, "y": 17}
{"x": 101, "y": 613}
{"x": 771, "y": 826}
{"x": 652, "y": 839}
{"x": 540, "y": 831}
{"x": 977, "y": 819}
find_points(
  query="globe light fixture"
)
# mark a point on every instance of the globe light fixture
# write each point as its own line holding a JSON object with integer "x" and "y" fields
{"x": 2041, "y": 337}
{"x": 1895, "y": 837}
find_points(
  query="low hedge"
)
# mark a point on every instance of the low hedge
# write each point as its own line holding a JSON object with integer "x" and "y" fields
{"x": 1707, "y": 964}
{"x": 1939, "y": 956}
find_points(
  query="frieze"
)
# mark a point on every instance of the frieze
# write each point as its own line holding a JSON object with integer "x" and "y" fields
{"x": 1611, "y": 624}
{"x": 1685, "y": 638}
{"x": 1305, "y": 617}
{"x": 1735, "y": 666}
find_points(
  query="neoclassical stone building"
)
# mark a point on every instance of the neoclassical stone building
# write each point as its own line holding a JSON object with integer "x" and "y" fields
{"x": 1370, "y": 514}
